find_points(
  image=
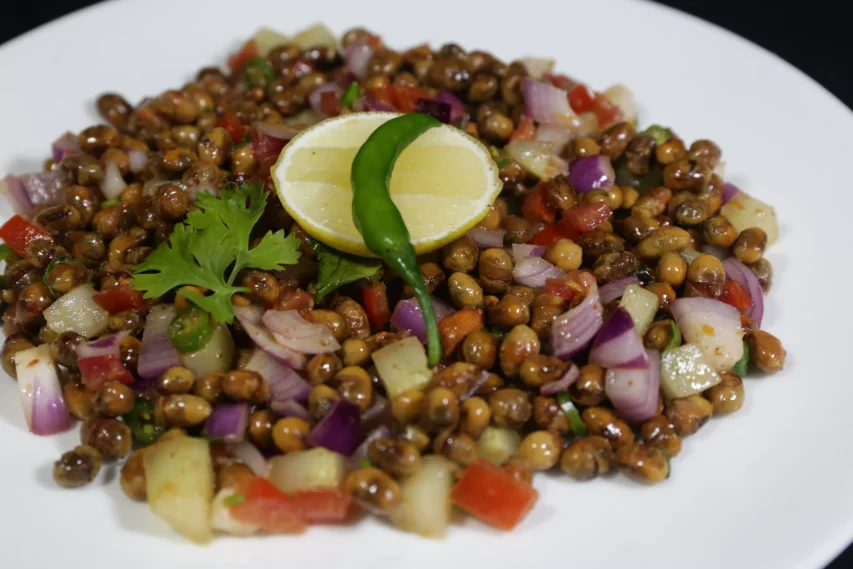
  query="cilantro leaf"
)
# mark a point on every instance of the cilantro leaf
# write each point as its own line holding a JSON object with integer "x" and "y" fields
{"x": 212, "y": 246}
{"x": 336, "y": 269}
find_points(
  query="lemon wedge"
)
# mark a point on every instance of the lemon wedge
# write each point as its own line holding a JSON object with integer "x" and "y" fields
{"x": 443, "y": 183}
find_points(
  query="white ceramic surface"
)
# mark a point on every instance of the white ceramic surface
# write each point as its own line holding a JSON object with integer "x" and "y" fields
{"x": 770, "y": 486}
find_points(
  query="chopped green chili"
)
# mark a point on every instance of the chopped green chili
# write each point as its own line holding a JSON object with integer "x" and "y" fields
{"x": 350, "y": 95}
{"x": 234, "y": 500}
{"x": 51, "y": 266}
{"x": 143, "y": 426}
{"x": 365, "y": 463}
{"x": 5, "y": 252}
{"x": 258, "y": 72}
{"x": 565, "y": 402}
{"x": 190, "y": 330}
{"x": 659, "y": 133}
{"x": 108, "y": 203}
{"x": 741, "y": 368}
{"x": 675, "y": 341}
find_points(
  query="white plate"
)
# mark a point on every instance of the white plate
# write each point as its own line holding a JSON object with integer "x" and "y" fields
{"x": 768, "y": 487}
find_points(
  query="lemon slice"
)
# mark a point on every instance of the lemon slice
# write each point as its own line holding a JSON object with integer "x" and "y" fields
{"x": 443, "y": 183}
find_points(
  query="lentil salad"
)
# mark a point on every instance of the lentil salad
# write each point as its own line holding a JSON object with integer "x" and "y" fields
{"x": 645, "y": 214}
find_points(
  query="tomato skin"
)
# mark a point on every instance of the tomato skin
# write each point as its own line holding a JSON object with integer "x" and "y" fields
{"x": 238, "y": 59}
{"x": 608, "y": 114}
{"x": 19, "y": 231}
{"x": 323, "y": 505}
{"x": 563, "y": 82}
{"x": 267, "y": 507}
{"x": 456, "y": 327}
{"x": 330, "y": 104}
{"x": 124, "y": 297}
{"x": 491, "y": 494}
{"x": 376, "y": 306}
{"x": 583, "y": 218}
{"x": 99, "y": 370}
{"x": 549, "y": 235}
{"x": 525, "y": 130}
{"x": 535, "y": 207}
{"x": 559, "y": 287}
{"x": 581, "y": 99}
{"x": 407, "y": 97}
{"x": 232, "y": 124}
{"x": 264, "y": 147}
{"x": 736, "y": 295}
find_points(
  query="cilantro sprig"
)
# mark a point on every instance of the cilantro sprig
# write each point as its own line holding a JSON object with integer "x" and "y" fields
{"x": 212, "y": 246}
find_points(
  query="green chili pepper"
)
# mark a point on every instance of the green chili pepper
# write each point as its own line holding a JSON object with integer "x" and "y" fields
{"x": 675, "y": 341}
{"x": 645, "y": 275}
{"x": 741, "y": 368}
{"x": 659, "y": 133}
{"x": 365, "y": 463}
{"x": 258, "y": 72}
{"x": 565, "y": 402}
{"x": 143, "y": 427}
{"x": 108, "y": 203}
{"x": 378, "y": 219}
{"x": 234, "y": 500}
{"x": 350, "y": 95}
{"x": 5, "y": 252}
{"x": 190, "y": 330}
{"x": 51, "y": 266}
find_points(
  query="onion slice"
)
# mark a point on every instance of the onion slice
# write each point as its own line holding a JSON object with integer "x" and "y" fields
{"x": 291, "y": 330}
{"x": 634, "y": 392}
{"x": 339, "y": 430}
{"x": 113, "y": 184}
{"x": 138, "y": 160}
{"x": 280, "y": 131}
{"x": 729, "y": 192}
{"x": 487, "y": 238}
{"x": 547, "y": 104}
{"x": 157, "y": 353}
{"x": 618, "y": 345}
{"x": 457, "y": 108}
{"x": 564, "y": 383}
{"x": 407, "y": 316}
{"x": 250, "y": 318}
{"x": 64, "y": 146}
{"x": 739, "y": 272}
{"x": 614, "y": 290}
{"x": 357, "y": 55}
{"x": 316, "y": 97}
{"x": 360, "y": 453}
{"x": 40, "y": 391}
{"x": 534, "y": 272}
{"x": 522, "y": 251}
{"x": 228, "y": 422}
{"x": 106, "y": 346}
{"x": 572, "y": 331}
{"x": 285, "y": 384}
{"x": 248, "y": 454}
{"x": 291, "y": 408}
{"x": 591, "y": 173}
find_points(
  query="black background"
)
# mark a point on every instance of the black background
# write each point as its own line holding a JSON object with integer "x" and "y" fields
{"x": 815, "y": 36}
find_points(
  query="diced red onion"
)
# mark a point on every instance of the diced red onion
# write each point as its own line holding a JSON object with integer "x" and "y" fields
{"x": 681, "y": 307}
{"x": 487, "y": 238}
{"x": 106, "y": 346}
{"x": 407, "y": 316}
{"x": 360, "y": 453}
{"x": 138, "y": 160}
{"x": 559, "y": 136}
{"x": 537, "y": 157}
{"x": 356, "y": 56}
{"x": 65, "y": 146}
{"x": 617, "y": 344}
{"x": 291, "y": 408}
{"x": 634, "y": 392}
{"x": 228, "y": 422}
{"x": 538, "y": 66}
{"x": 33, "y": 190}
{"x": 40, "y": 392}
{"x": 729, "y": 192}
{"x": 113, "y": 184}
{"x": 371, "y": 103}
{"x": 339, "y": 430}
{"x": 316, "y": 97}
{"x": 614, "y": 290}
{"x": 280, "y": 131}
{"x": 739, "y": 272}
{"x": 522, "y": 251}
{"x": 17, "y": 195}
{"x": 472, "y": 389}
{"x": 534, "y": 271}
{"x": 291, "y": 330}
{"x": 564, "y": 383}
{"x": 573, "y": 330}
{"x": 439, "y": 110}
{"x": 457, "y": 109}
{"x": 285, "y": 384}
{"x": 250, "y": 319}
{"x": 546, "y": 104}
{"x": 591, "y": 173}
{"x": 157, "y": 354}
{"x": 248, "y": 454}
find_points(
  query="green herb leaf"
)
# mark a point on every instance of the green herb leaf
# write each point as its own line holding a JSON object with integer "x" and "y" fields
{"x": 659, "y": 133}
{"x": 675, "y": 341}
{"x": 365, "y": 463}
{"x": 350, "y": 95}
{"x": 108, "y": 203}
{"x": 741, "y": 368}
{"x": 565, "y": 402}
{"x": 336, "y": 269}
{"x": 234, "y": 500}
{"x": 258, "y": 72}
{"x": 212, "y": 246}
{"x": 5, "y": 252}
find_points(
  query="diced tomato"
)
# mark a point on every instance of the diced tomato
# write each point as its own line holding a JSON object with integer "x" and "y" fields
{"x": 525, "y": 130}
{"x": 264, "y": 146}
{"x": 384, "y": 95}
{"x": 98, "y": 370}
{"x": 491, "y": 494}
{"x": 323, "y": 505}
{"x": 19, "y": 231}
{"x": 238, "y": 59}
{"x": 562, "y": 81}
{"x": 231, "y": 123}
{"x": 264, "y": 167}
{"x": 737, "y": 296}
{"x": 406, "y": 97}
{"x": 583, "y": 218}
{"x": 581, "y": 99}
{"x": 330, "y": 103}
{"x": 535, "y": 208}
{"x": 551, "y": 234}
{"x": 376, "y": 306}
{"x": 458, "y": 326}
{"x": 608, "y": 114}
{"x": 124, "y": 297}
{"x": 267, "y": 507}
{"x": 559, "y": 287}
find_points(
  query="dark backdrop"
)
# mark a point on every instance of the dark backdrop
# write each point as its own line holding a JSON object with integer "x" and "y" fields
{"x": 814, "y": 37}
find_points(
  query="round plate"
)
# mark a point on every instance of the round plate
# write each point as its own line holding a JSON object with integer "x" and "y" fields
{"x": 770, "y": 486}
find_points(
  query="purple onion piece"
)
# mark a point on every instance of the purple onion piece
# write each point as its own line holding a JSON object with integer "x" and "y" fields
{"x": 457, "y": 109}
{"x": 564, "y": 383}
{"x": 591, "y": 173}
{"x": 614, "y": 290}
{"x": 487, "y": 238}
{"x": 228, "y": 422}
{"x": 438, "y": 110}
{"x": 407, "y": 316}
{"x": 339, "y": 430}
{"x": 739, "y": 272}
{"x": 617, "y": 344}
